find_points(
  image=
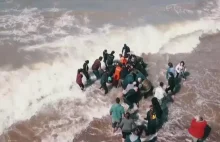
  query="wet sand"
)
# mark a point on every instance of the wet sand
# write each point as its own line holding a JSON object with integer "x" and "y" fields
{"x": 198, "y": 95}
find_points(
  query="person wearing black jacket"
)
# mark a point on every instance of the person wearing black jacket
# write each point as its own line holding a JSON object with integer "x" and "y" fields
{"x": 125, "y": 51}
{"x": 131, "y": 97}
{"x": 86, "y": 69}
{"x": 171, "y": 83}
{"x": 105, "y": 55}
{"x": 154, "y": 116}
{"x": 110, "y": 58}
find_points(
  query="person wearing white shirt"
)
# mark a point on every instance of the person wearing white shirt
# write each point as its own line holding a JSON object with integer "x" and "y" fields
{"x": 160, "y": 93}
{"x": 180, "y": 70}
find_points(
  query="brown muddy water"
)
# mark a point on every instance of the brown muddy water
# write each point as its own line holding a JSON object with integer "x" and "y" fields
{"x": 198, "y": 95}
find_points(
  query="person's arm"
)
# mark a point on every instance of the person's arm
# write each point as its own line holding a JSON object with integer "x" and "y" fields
{"x": 167, "y": 73}
{"x": 99, "y": 64}
{"x": 133, "y": 126}
{"x": 121, "y": 124}
{"x": 110, "y": 111}
{"x": 177, "y": 68}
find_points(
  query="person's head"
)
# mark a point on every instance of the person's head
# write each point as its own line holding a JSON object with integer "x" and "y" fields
{"x": 120, "y": 64}
{"x": 100, "y": 58}
{"x": 200, "y": 118}
{"x": 161, "y": 84}
{"x": 120, "y": 55}
{"x": 182, "y": 63}
{"x": 127, "y": 115}
{"x": 135, "y": 89}
{"x": 79, "y": 71}
{"x": 117, "y": 100}
{"x": 125, "y": 45}
{"x": 171, "y": 74}
{"x": 113, "y": 52}
{"x": 170, "y": 65}
{"x": 139, "y": 79}
{"x": 87, "y": 61}
{"x": 155, "y": 102}
{"x": 136, "y": 131}
{"x": 105, "y": 51}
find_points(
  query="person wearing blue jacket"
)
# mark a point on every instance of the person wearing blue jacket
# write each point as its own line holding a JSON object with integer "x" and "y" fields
{"x": 170, "y": 69}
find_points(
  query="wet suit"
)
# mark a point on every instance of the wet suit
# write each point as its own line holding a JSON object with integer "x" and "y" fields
{"x": 125, "y": 51}
{"x": 103, "y": 81}
{"x": 85, "y": 70}
{"x": 131, "y": 97}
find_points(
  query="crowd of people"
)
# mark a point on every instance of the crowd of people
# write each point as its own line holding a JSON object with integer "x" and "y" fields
{"x": 129, "y": 73}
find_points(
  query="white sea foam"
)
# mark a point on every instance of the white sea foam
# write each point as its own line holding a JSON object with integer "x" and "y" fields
{"x": 22, "y": 89}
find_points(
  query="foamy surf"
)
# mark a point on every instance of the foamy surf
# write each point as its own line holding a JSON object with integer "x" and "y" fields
{"x": 26, "y": 91}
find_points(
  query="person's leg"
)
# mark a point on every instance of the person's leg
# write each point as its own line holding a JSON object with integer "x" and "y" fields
{"x": 183, "y": 75}
{"x": 194, "y": 139}
{"x": 105, "y": 88}
{"x": 81, "y": 86}
{"x": 87, "y": 75}
{"x": 177, "y": 75}
{"x": 167, "y": 89}
{"x": 96, "y": 73}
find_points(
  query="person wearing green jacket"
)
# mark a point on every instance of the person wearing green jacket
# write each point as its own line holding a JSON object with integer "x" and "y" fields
{"x": 103, "y": 81}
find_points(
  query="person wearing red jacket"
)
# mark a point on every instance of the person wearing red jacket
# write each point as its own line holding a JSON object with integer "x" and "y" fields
{"x": 79, "y": 79}
{"x": 197, "y": 128}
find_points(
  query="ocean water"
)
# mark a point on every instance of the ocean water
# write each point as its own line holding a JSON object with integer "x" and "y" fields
{"x": 43, "y": 43}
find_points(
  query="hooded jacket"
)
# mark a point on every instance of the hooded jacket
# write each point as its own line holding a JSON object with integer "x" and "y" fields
{"x": 197, "y": 128}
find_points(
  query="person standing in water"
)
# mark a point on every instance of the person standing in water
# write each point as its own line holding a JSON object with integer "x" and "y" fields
{"x": 171, "y": 83}
{"x": 170, "y": 69}
{"x": 86, "y": 69}
{"x": 180, "y": 70}
{"x": 127, "y": 125}
{"x": 160, "y": 93}
{"x": 153, "y": 117}
{"x": 79, "y": 79}
{"x": 116, "y": 111}
{"x": 105, "y": 56}
{"x": 110, "y": 58}
{"x": 103, "y": 81}
{"x": 125, "y": 51}
{"x": 96, "y": 66}
{"x": 197, "y": 128}
{"x": 117, "y": 75}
